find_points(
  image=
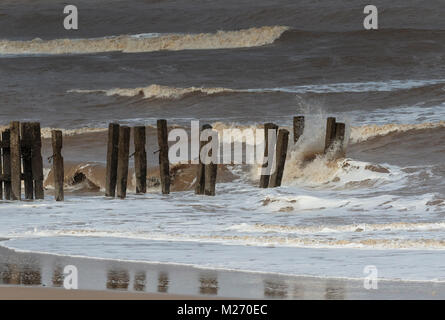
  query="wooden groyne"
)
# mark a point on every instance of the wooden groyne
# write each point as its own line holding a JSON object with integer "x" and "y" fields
{"x": 21, "y": 158}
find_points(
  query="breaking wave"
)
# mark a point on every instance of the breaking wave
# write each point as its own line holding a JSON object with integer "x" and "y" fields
{"x": 245, "y": 38}
{"x": 266, "y": 240}
{"x": 157, "y": 92}
{"x": 366, "y": 132}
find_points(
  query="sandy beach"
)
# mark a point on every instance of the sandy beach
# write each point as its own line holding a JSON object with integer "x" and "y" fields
{"x": 40, "y": 276}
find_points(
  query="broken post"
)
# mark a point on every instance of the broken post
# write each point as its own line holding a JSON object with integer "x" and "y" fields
{"x": 211, "y": 171}
{"x": 112, "y": 153}
{"x": 330, "y": 133}
{"x": 16, "y": 167}
{"x": 140, "y": 159}
{"x": 37, "y": 162}
{"x": 298, "y": 127}
{"x": 281, "y": 153}
{"x": 6, "y": 163}
{"x": 200, "y": 173}
{"x": 26, "y": 145}
{"x": 164, "y": 166}
{"x": 58, "y": 172}
{"x": 122, "y": 161}
{"x": 264, "y": 179}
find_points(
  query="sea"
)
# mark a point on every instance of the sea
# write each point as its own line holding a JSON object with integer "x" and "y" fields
{"x": 237, "y": 64}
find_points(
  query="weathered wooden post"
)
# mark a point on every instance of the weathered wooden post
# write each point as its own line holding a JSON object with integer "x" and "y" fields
{"x": 26, "y": 145}
{"x": 122, "y": 162}
{"x": 37, "y": 162}
{"x": 298, "y": 127}
{"x": 140, "y": 159}
{"x": 281, "y": 153}
{"x": 164, "y": 165}
{"x": 211, "y": 171}
{"x": 6, "y": 163}
{"x": 58, "y": 172}
{"x": 200, "y": 173}
{"x": 112, "y": 153}
{"x": 340, "y": 129}
{"x": 330, "y": 133}
{"x": 16, "y": 167}
{"x": 1, "y": 169}
{"x": 264, "y": 179}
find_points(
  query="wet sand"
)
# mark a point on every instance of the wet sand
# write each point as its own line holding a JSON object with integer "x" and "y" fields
{"x": 40, "y": 276}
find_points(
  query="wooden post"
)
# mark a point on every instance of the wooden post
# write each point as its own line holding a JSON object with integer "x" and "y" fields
{"x": 58, "y": 172}
{"x": 140, "y": 159}
{"x": 281, "y": 153}
{"x": 112, "y": 153}
{"x": 1, "y": 169}
{"x": 26, "y": 145}
{"x": 330, "y": 133}
{"x": 164, "y": 165}
{"x": 340, "y": 129}
{"x": 298, "y": 127}
{"x": 200, "y": 173}
{"x": 37, "y": 162}
{"x": 122, "y": 162}
{"x": 211, "y": 171}
{"x": 264, "y": 179}
{"x": 16, "y": 168}
{"x": 7, "y": 163}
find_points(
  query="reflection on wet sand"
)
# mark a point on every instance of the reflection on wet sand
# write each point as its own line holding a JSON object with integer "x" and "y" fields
{"x": 334, "y": 291}
{"x": 13, "y": 274}
{"x": 118, "y": 279}
{"x": 58, "y": 276}
{"x": 140, "y": 281}
{"x": 275, "y": 289}
{"x": 209, "y": 285}
{"x": 163, "y": 282}
{"x": 47, "y": 270}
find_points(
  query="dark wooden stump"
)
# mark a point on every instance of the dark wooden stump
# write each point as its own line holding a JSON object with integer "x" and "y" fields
{"x": 37, "y": 162}
{"x": 330, "y": 133}
{"x": 340, "y": 129}
{"x": 200, "y": 172}
{"x": 26, "y": 148}
{"x": 58, "y": 170}
{"x": 122, "y": 162}
{"x": 16, "y": 167}
{"x": 140, "y": 159}
{"x": 6, "y": 163}
{"x": 211, "y": 171}
{"x": 164, "y": 165}
{"x": 264, "y": 179}
{"x": 298, "y": 127}
{"x": 281, "y": 153}
{"x": 112, "y": 154}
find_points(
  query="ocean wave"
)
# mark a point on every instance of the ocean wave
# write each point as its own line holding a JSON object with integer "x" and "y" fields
{"x": 326, "y": 229}
{"x": 259, "y": 241}
{"x": 155, "y": 91}
{"x": 367, "y": 132}
{"x": 245, "y": 38}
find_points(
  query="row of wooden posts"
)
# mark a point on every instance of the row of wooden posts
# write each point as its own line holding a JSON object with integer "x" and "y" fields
{"x": 21, "y": 145}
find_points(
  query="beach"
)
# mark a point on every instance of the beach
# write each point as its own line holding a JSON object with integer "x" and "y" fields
{"x": 40, "y": 276}
{"x": 374, "y": 202}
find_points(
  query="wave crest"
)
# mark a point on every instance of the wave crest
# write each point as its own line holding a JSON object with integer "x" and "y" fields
{"x": 156, "y": 91}
{"x": 245, "y": 38}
